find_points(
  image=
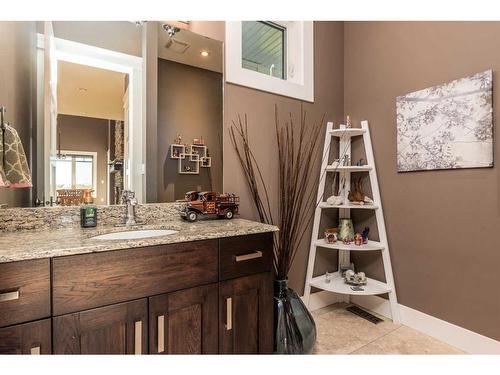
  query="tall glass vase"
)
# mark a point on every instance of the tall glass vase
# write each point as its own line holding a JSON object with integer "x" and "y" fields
{"x": 295, "y": 330}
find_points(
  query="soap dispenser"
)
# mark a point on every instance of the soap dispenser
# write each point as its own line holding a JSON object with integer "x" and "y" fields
{"x": 88, "y": 216}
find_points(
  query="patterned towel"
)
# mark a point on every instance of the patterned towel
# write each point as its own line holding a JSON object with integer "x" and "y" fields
{"x": 14, "y": 169}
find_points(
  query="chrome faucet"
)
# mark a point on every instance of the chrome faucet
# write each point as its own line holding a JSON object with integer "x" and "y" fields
{"x": 128, "y": 198}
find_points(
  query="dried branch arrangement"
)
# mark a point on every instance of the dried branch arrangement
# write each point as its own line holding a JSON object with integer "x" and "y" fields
{"x": 298, "y": 148}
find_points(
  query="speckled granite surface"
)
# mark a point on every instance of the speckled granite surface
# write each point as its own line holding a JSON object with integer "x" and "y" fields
{"x": 45, "y": 243}
{"x": 13, "y": 219}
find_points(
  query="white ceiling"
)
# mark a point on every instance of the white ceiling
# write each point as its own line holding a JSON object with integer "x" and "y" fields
{"x": 192, "y": 55}
{"x": 90, "y": 92}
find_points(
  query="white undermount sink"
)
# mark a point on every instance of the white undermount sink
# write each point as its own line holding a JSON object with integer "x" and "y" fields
{"x": 135, "y": 234}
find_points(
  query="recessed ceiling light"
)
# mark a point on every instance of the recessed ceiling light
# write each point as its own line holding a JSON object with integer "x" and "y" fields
{"x": 204, "y": 53}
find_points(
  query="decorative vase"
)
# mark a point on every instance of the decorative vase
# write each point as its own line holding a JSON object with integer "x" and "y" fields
{"x": 295, "y": 330}
{"x": 346, "y": 229}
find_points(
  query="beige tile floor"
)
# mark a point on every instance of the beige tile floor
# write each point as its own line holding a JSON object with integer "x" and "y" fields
{"x": 342, "y": 332}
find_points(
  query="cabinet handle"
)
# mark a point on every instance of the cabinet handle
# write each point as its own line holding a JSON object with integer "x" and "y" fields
{"x": 253, "y": 255}
{"x": 35, "y": 350}
{"x": 161, "y": 333}
{"x": 138, "y": 337}
{"x": 9, "y": 296}
{"x": 229, "y": 314}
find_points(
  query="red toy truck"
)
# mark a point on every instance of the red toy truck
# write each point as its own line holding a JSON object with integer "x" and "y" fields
{"x": 209, "y": 203}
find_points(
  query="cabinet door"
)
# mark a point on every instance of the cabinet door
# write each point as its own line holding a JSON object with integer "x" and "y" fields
{"x": 115, "y": 329}
{"x": 28, "y": 338}
{"x": 246, "y": 315}
{"x": 184, "y": 322}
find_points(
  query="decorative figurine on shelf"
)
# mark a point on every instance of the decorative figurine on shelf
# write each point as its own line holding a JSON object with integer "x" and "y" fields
{"x": 347, "y": 240}
{"x": 176, "y": 153}
{"x": 198, "y": 141}
{"x": 210, "y": 204}
{"x": 346, "y": 230}
{"x": 337, "y": 199}
{"x": 346, "y": 161}
{"x": 357, "y": 194}
{"x": 178, "y": 140}
{"x": 364, "y": 235}
{"x": 331, "y": 235}
{"x": 358, "y": 240}
{"x": 361, "y": 162}
{"x": 348, "y": 123}
{"x": 343, "y": 268}
{"x": 355, "y": 279}
{"x": 187, "y": 168}
{"x": 328, "y": 277}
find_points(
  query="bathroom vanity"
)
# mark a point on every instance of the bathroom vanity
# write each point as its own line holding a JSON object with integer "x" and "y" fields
{"x": 205, "y": 289}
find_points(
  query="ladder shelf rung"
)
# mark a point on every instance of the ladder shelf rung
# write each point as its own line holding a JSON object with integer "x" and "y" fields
{"x": 349, "y": 132}
{"x": 349, "y": 168}
{"x": 348, "y": 206}
{"x": 338, "y": 285}
{"x": 339, "y": 245}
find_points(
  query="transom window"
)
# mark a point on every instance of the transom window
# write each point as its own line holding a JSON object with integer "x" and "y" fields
{"x": 263, "y": 48}
{"x": 273, "y": 56}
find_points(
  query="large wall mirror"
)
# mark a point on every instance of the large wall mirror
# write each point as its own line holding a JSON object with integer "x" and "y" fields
{"x": 114, "y": 106}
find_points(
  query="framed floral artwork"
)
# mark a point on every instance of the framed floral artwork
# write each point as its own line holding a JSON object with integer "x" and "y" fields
{"x": 448, "y": 126}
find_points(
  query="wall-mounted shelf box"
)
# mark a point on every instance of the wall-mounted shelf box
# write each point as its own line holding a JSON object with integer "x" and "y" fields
{"x": 206, "y": 162}
{"x": 177, "y": 151}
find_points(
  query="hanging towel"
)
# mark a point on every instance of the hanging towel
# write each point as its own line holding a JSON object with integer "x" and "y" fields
{"x": 14, "y": 169}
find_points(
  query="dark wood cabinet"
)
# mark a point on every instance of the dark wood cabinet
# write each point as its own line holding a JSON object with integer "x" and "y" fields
{"x": 246, "y": 315}
{"x": 115, "y": 329}
{"x": 24, "y": 291}
{"x": 28, "y": 338}
{"x": 184, "y": 322}
{"x": 82, "y": 282}
{"x": 201, "y": 297}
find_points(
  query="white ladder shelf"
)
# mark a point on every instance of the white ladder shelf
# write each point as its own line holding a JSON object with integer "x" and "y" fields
{"x": 337, "y": 284}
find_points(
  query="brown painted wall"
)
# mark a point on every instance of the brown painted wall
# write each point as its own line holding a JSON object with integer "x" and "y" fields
{"x": 259, "y": 106}
{"x": 87, "y": 134}
{"x": 189, "y": 103}
{"x": 16, "y": 52}
{"x": 442, "y": 225}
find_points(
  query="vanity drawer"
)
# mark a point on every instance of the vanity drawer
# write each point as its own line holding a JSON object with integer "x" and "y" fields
{"x": 24, "y": 291}
{"x": 245, "y": 255}
{"x": 28, "y": 338}
{"x": 86, "y": 281}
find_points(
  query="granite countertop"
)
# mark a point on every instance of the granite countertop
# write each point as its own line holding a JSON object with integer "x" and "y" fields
{"x": 48, "y": 243}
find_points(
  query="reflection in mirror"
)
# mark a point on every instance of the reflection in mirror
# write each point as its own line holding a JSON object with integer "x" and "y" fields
{"x": 85, "y": 112}
{"x": 90, "y": 130}
{"x": 189, "y": 114}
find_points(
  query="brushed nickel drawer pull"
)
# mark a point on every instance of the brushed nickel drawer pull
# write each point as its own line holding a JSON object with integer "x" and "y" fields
{"x": 9, "y": 296}
{"x": 229, "y": 314}
{"x": 253, "y": 255}
{"x": 161, "y": 333}
{"x": 35, "y": 350}
{"x": 138, "y": 337}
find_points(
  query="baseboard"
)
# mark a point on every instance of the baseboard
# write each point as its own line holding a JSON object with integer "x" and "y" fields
{"x": 322, "y": 299}
{"x": 459, "y": 337}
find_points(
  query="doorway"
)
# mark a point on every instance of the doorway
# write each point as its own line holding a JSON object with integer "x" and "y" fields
{"x": 51, "y": 53}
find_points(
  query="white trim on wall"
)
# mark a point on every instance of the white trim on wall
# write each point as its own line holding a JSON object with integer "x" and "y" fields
{"x": 300, "y": 67}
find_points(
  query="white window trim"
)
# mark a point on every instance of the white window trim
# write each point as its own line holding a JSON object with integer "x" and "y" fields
{"x": 94, "y": 167}
{"x": 300, "y": 57}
